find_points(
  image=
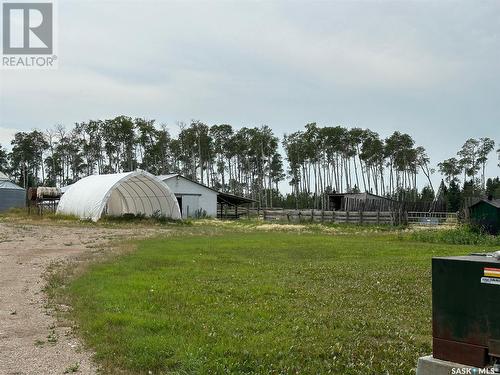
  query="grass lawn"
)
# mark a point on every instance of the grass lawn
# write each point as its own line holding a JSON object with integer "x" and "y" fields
{"x": 267, "y": 303}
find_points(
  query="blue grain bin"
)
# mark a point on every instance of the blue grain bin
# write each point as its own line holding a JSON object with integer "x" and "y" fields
{"x": 11, "y": 195}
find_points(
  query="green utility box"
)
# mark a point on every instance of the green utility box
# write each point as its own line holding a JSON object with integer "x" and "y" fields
{"x": 466, "y": 309}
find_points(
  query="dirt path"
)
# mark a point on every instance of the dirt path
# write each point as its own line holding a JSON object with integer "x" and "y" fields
{"x": 30, "y": 340}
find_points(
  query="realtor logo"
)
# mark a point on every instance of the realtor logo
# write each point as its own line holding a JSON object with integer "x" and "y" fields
{"x": 27, "y": 29}
{"x": 28, "y": 35}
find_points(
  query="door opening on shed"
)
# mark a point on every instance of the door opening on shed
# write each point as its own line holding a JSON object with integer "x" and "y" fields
{"x": 179, "y": 200}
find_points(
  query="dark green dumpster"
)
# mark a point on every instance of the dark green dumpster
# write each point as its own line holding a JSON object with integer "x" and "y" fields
{"x": 466, "y": 309}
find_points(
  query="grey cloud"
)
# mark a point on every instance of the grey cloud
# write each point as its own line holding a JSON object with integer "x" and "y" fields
{"x": 429, "y": 68}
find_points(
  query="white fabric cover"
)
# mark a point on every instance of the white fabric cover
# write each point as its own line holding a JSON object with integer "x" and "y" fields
{"x": 116, "y": 194}
{"x": 64, "y": 188}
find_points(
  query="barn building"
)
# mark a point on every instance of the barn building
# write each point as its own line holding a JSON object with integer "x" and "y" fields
{"x": 359, "y": 202}
{"x": 198, "y": 200}
{"x": 486, "y": 214}
{"x": 11, "y": 195}
{"x": 195, "y": 199}
{"x": 137, "y": 193}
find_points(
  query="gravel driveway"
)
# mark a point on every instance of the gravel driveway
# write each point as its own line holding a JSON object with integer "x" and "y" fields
{"x": 31, "y": 342}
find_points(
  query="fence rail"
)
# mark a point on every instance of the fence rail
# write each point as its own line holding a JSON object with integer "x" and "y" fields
{"x": 432, "y": 218}
{"x": 355, "y": 217}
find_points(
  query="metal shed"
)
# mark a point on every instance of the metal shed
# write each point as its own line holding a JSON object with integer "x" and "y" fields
{"x": 195, "y": 199}
{"x": 198, "y": 200}
{"x": 11, "y": 195}
{"x": 486, "y": 214}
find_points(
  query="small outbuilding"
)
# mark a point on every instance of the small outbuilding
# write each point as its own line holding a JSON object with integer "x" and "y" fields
{"x": 194, "y": 199}
{"x": 228, "y": 205}
{"x": 11, "y": 195}
{"x": 486, "y": 214}
{"x": 137, "y": 193}
{"x": 358, "y": 202}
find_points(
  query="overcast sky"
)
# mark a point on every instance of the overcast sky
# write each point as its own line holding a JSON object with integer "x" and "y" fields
{"x": 431, "y": 69}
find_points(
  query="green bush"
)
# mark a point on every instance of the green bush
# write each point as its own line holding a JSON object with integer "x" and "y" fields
{"x": 463, "y": 235}
{"x": 156, "y": 218}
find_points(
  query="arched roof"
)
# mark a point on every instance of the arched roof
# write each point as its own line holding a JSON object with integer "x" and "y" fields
{"x": 137, "y": 192}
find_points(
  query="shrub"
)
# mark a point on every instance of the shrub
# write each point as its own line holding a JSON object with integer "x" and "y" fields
{"x": 463, "y": 235}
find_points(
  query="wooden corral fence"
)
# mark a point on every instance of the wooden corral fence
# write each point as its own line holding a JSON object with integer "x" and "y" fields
{"x": 321, "y": 216}
{"x": 356, "y": 217}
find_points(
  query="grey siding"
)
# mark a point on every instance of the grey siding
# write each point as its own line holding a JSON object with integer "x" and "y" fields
{"x": 10, "y": 198}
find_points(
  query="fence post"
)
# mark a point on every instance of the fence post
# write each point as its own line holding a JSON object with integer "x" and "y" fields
{"x": 361, "y": 217}
{"x": 347, "y": 216}
{"x": 312, "y": 215}
{"x": 333, "y": 217}
{"x": 378, "y": 217}
{"x": 322, "y": 216}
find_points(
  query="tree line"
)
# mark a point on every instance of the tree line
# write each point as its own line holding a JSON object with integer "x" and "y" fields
{"x": 247, "y": 161}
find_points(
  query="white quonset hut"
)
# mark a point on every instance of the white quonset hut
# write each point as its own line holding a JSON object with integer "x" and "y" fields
{"x": 11, "y": 195}
{"x": 195, "y": 199}
{"x": 137, "y": 192}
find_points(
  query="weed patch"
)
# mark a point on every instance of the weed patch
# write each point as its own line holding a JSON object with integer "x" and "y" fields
{"x": 462, "y": 235}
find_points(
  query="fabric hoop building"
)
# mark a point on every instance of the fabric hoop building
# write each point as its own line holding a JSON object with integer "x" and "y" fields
{"x": 137, "y": 192}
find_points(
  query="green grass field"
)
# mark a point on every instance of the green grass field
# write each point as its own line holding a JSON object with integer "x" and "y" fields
{"x": 266, "y": 303}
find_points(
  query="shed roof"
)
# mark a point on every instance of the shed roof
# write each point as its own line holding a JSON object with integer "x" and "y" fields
{"x": 493, "y": 202}
{"x": 232, "y": 199}
{"x": 6, "y": 183}
{"x": 364, "y": 195}
{"x": 164, "y": 177}
{"x": 222, "y": 197}
{"x": 172, "y": 175}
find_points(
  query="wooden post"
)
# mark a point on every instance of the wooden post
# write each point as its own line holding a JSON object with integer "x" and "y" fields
{"x": 378, "y": 217}
{"x": 333, "y": 216}
{"x": 347, "y": 216}
{"x": 312, "y": 215}
{"x": 361, "y": 217}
